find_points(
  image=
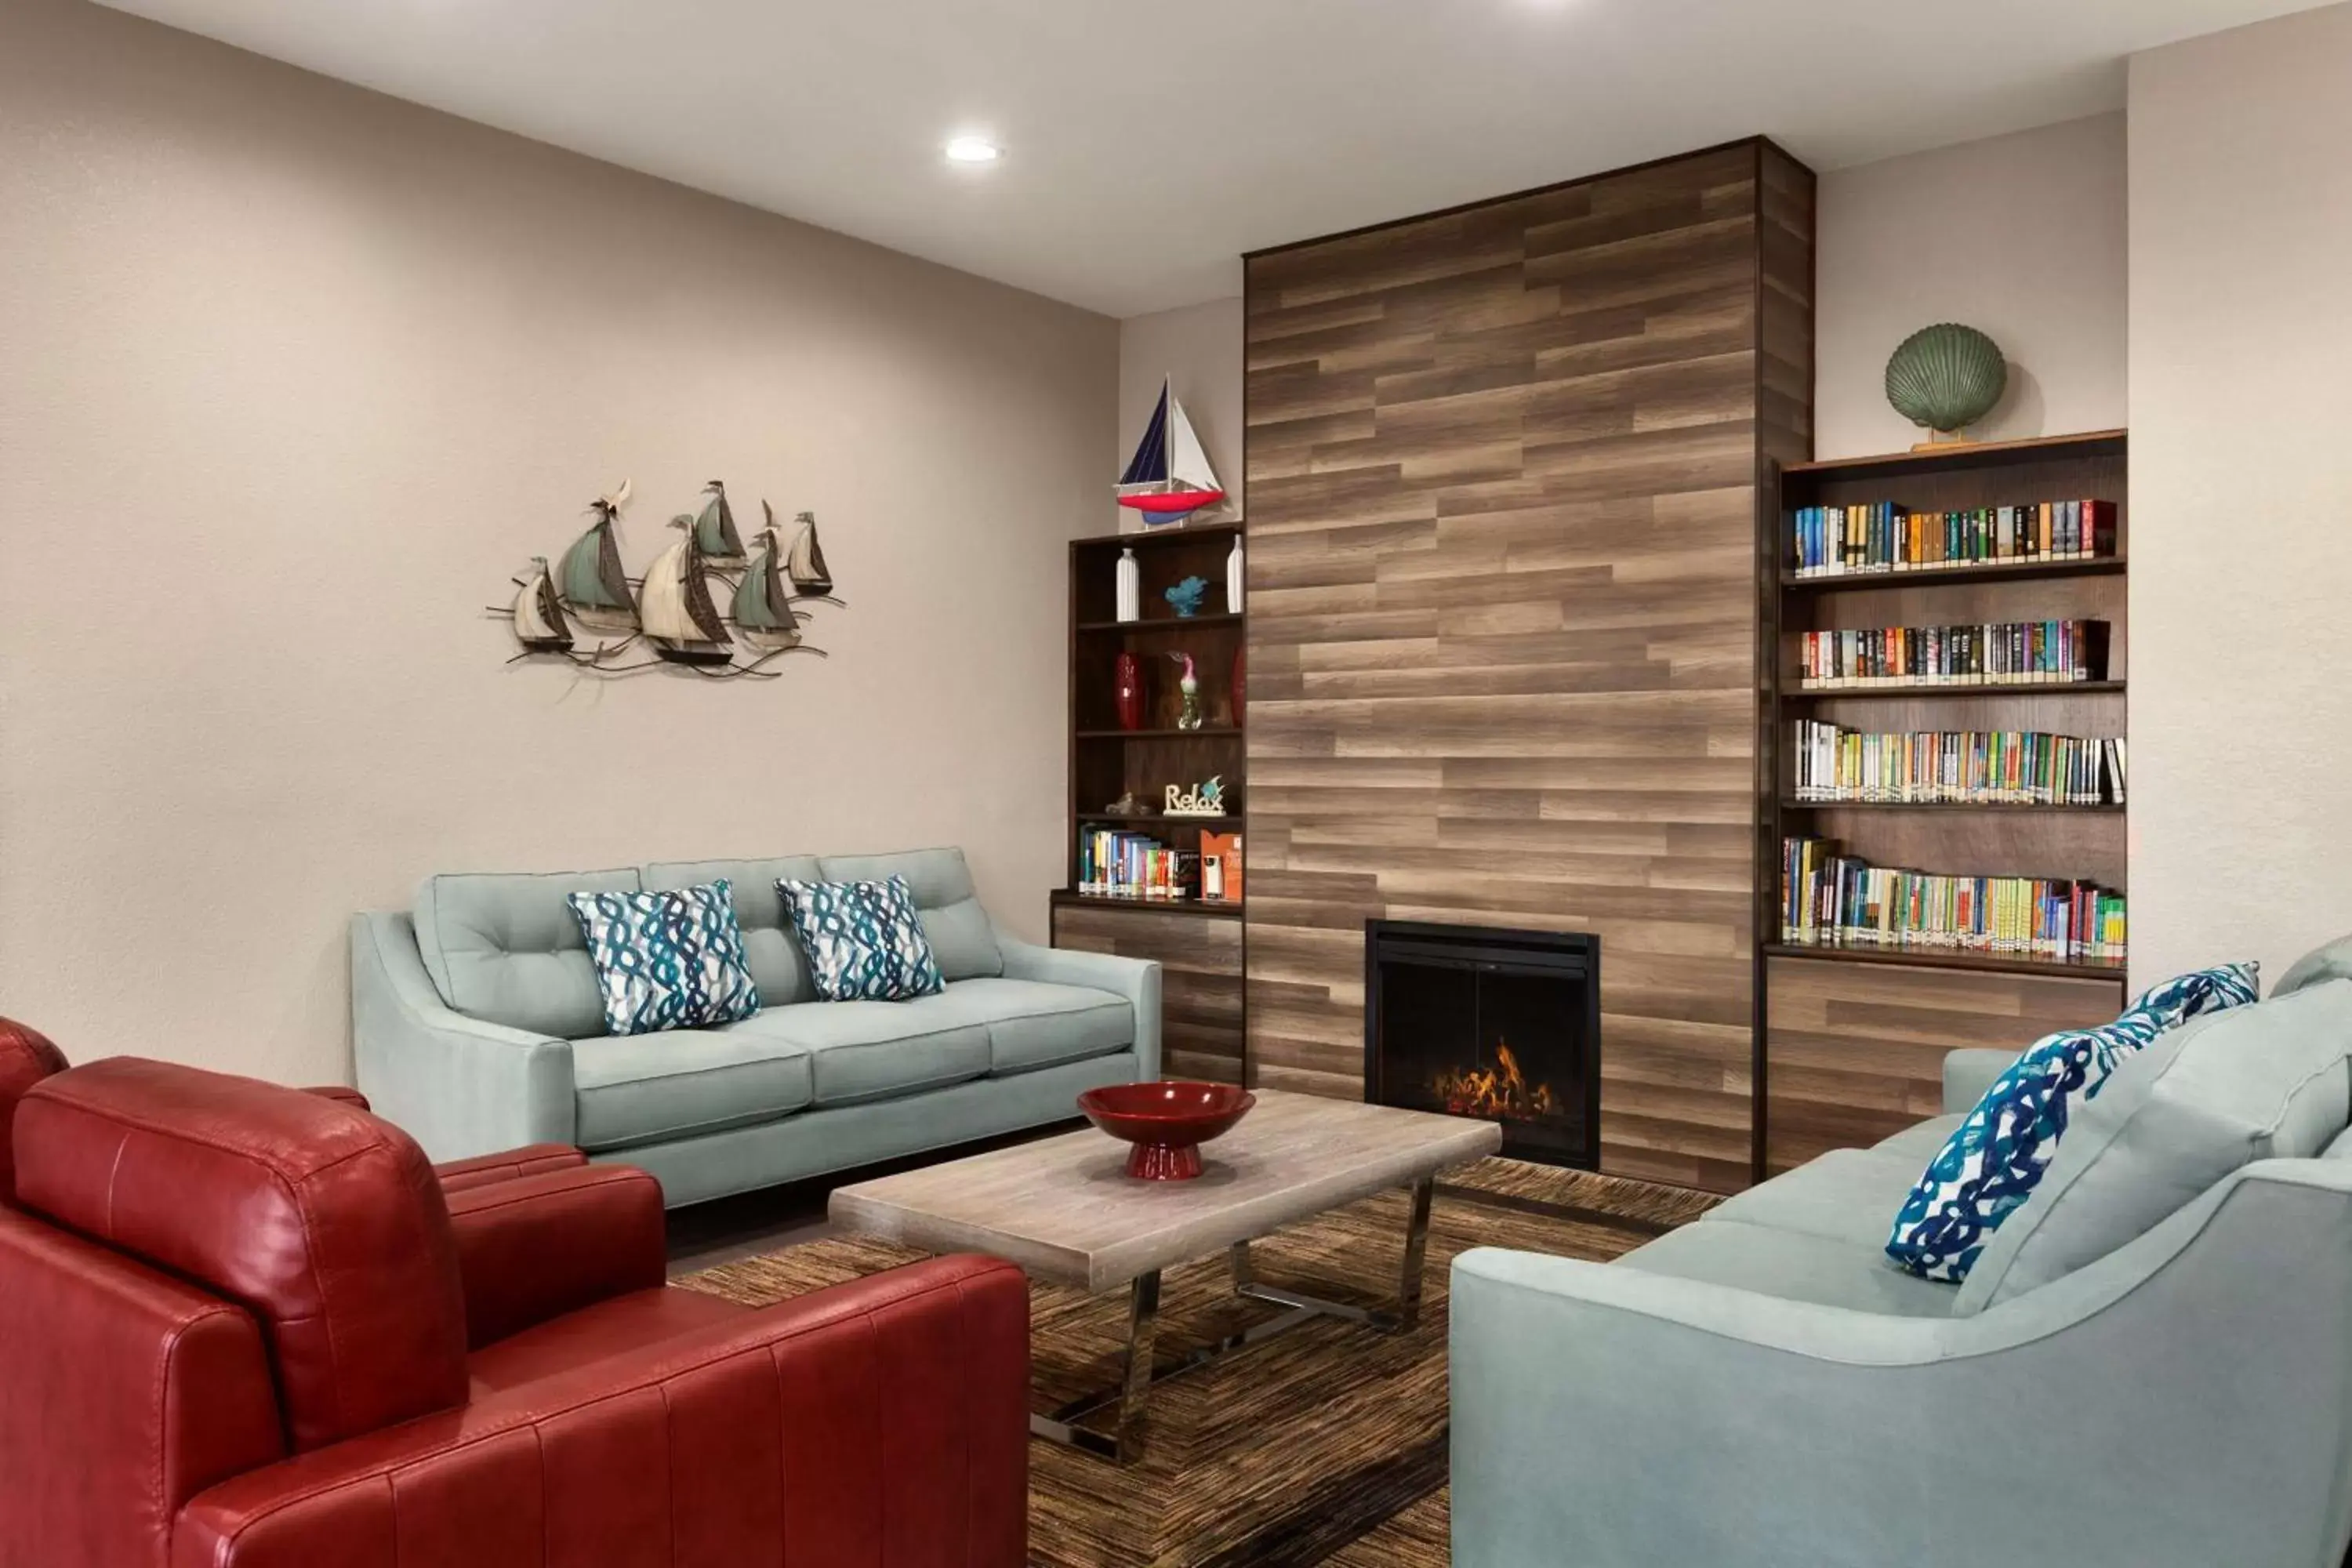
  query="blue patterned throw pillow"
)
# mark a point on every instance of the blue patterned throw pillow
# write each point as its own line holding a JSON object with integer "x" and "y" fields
{"x": 668, "y": 960}
{"x": 2204, "y": 990}
{"x": 865, "y": 941}
{"x": 1993, "y": 1159}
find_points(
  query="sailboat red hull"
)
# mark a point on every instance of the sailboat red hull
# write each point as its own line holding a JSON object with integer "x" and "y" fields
{"x": 1174, "y": 501}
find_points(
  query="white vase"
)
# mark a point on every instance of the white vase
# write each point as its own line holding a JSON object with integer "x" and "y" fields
{"x": 1131, "y": 587}
{"x": 1234, "y": 578}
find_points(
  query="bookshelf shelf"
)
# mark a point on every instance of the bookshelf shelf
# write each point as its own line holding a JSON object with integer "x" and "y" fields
{"x": 1940, "y": 958}
{"x": 1155, "y": 819}
{"x": 1949, "y": 689}
{"x": 1983, "y": 572}
{"x": 1996, "y": 806}
{"x": 1160, "y": 623}
{"x": 1211, "y": 732}
{"x": 1959, "y": 996}
{"x": 1216, "y": 909}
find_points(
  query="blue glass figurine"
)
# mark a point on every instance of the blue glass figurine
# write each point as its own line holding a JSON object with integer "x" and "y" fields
{"x": 1186, "y": 596}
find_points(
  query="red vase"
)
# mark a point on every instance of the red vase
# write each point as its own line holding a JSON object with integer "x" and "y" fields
{"x": 1237, "y": 686}
{"x": 1128, "y": 683}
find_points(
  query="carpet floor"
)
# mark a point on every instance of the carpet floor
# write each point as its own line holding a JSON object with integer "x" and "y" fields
{"x": 1323, "y": 1446}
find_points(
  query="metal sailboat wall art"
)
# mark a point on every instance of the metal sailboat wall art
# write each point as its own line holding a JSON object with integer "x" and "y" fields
{"x": 1168, "y": 478}
{"x": 586, "y": 611}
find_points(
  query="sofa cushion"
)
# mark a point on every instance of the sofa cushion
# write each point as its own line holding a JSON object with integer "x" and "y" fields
{"x": 1791, "y": 1266}
{"x": 1843, "y": 1195}
{"x": 1918, "y": 1142}
{"x": 671, "y": 959}
{"x": 958, "y": 928}
{"x": 1033, "y": 1024}
{"x": 505, "y": 948}
{"x": 2221, "y": 1091}
{"x": 649, "y": 1089}
{"x": 880, "y": 1050}
{"x": 2329, "y": 961}
{"x": 770, "y": 946}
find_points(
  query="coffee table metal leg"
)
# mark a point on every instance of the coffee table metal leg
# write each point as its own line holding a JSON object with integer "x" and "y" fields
{"x": 1416, "y": 1253}
{"x": 1126, "y": 1443}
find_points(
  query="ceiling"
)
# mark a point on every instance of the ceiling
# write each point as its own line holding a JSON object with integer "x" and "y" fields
{"x": 1147, "y": 145}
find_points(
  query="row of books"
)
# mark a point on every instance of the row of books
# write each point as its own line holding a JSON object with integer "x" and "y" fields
{"x": 2011, "y": 653}
{"x": 1957, "y": 767}
{"x": 1114, "y": 864}
{"x": 1836, "y": 900}
{"x": 1884, "y": 536}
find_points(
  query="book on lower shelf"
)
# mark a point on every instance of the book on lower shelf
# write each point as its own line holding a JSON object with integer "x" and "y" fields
{"x": 1120, "y": 865}
{"x": 1832, "y": 764}
{"x": 1833, "y": 900}
{"x": 2011, "y": 653}
{"x": 1886, "y": 536}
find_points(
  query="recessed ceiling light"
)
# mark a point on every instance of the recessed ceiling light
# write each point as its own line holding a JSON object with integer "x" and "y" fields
{"x": 972, "y": 149}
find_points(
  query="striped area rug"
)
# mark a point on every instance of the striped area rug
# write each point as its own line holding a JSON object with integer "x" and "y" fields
{"x": 1325, "y": 1445}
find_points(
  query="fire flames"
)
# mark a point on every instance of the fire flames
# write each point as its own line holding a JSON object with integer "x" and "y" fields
{"x": 1501, "y": 1091}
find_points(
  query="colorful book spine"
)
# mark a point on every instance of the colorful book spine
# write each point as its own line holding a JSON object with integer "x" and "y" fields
{"x": 1884, "y": 536}
{"x": 1831, "y": 901}
{"x": 2013, "y": 653}
{"x": 1832, "y": 765}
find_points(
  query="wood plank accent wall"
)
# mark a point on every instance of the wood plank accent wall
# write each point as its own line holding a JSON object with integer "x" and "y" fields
{"x": 1504, "y": 471}
{"x": 1858, "y": 1049}
{"x": 1200, "y": 982}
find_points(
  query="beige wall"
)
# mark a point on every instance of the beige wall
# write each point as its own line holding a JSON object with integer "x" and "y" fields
{"x": 2021, "y": 236}
{"x": 295, "y": 376}
{"x": 1201, "y": 347}
{"x": 2241, "y": 556}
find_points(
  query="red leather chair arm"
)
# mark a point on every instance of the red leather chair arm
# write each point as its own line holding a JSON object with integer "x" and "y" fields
{"x": 341, "y": 1093}
{"x": 532, "y": 1159}
{"x": 124, "y": 1393}
{"x": 882, "y": 1423}
{"x": 536, "y": 1248}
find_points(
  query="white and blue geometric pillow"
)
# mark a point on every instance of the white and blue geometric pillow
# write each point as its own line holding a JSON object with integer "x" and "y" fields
{"x": 2204, "y": 990}
{"x": 668, "y": 960}
{"x": 865, "y": 941}
{"x": 1997, "y": 1155}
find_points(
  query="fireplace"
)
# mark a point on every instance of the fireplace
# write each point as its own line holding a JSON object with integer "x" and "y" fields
{"x": 1499, "y": 1025}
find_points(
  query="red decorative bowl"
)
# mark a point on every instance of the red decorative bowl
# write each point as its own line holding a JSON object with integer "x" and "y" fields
{"x": 1167, "y": 1122}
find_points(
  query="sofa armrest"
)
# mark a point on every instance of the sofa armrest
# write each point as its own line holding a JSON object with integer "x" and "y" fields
{"x": 459, "y": 1086}
{"x": 535, "y": 1248}
{"x": 507, "y": 1165}
{"x": 1968, "y": 1073}
{"x": 1608, "y": 1416}
{"x": 882, "y": 1421}
{"x": 1137, "y": 979}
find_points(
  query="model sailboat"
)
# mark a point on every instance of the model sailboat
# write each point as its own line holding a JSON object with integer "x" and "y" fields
{"x": 539, "y": 622}
{"x": 1168, "y": 479}
{"x": 806, "y": 565}
{"x": 589, "y": 583}
{"x": 714, "y": 531}
{"x": 763, "y": 603}
{"x": 674, "y": 607}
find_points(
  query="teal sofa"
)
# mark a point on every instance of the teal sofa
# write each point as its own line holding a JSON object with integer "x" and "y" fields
{"x": 2150, "y": 1366}
{"x": 477, "y": 1025}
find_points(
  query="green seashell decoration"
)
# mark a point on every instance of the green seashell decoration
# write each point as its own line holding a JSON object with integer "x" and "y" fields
{"x": 1946, "y": 377}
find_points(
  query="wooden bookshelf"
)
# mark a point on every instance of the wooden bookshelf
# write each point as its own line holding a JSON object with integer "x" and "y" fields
{"x": 1198, "y": 943}
{"x": 1811, "y": 1092}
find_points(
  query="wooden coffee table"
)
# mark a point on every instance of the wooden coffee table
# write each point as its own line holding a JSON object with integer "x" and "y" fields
{"x": 1064, "y": 1210}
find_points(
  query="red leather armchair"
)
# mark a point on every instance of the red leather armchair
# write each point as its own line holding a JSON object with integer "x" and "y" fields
{"x": 246, "y": 1326}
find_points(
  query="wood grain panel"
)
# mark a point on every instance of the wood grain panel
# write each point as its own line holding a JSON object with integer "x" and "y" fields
{"x": 1855, "y": 1051}
{"x": 1199, "y": 983}
{"x": 1504, "y": 635}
